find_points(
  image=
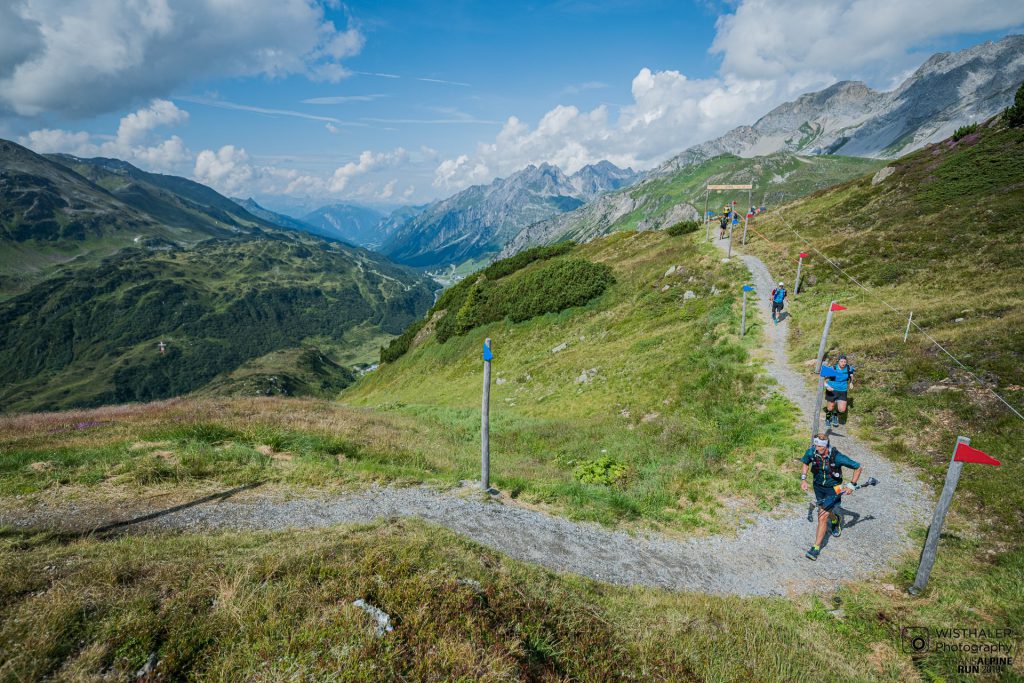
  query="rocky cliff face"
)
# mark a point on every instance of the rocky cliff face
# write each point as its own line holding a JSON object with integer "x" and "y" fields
{"x": 949, "y": 90}
{"x": 482, "y": 218}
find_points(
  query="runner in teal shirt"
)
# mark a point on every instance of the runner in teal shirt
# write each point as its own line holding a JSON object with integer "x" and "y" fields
{"x": 826, "y": 465}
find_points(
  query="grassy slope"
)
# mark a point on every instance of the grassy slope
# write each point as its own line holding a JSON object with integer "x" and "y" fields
{"x": 941, "y": 236}
{"x": 268, "y": 606}
{"x": 671, "y": 392}
{"x": 673, "y": 395}
{"x": 273, "y": 607}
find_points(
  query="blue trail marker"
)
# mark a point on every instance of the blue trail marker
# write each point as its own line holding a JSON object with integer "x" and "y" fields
{"x": 485, "y": 420}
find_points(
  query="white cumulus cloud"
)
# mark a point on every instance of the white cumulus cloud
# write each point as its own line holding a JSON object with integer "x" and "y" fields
{"x": 83, "y": 57}
{"x": 129, "y": 143}
{"x": 771, "y": 51}
{"x": 368, "y": 161}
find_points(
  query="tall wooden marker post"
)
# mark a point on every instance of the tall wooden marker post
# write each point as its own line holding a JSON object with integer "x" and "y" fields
{"x": 799, "y": 265}
{"x": 962, "y": 453}
{"x": 743, "y": 319}
{"x": 707, "y": 224}
{"x": 485, "y": 420}
{"x": 815, "y": 420}
{"x": 748, "y": 188}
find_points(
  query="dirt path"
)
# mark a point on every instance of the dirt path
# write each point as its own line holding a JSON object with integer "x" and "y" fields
{"x": 763, "y": 558}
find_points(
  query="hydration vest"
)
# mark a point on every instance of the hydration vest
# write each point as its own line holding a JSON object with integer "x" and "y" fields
{"x": 842, "y": 375}
{"x": 827, "y": 463}
{"x": 778, "y": 295}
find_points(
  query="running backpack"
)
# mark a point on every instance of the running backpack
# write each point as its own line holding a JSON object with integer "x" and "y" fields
{"x": 827, "y": 462}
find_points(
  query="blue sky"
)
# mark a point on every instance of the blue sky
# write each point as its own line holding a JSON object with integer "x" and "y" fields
{"x": 299, "y": 103}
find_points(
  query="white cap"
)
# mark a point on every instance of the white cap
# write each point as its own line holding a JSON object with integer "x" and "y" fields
{"x": 780, "y": 284}
{"x": 820, "y": 442}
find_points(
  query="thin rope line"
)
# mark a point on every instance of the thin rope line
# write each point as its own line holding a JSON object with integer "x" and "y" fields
{"x": 895, "y": 310}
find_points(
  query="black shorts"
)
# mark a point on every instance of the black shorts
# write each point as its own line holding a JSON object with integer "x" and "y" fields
{"x": 778, "y": 305}
{"x": 827, "y": 498}
{"x": 834, "y": 395}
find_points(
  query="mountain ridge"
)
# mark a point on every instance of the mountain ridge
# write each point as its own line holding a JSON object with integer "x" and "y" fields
{"x": 948, "y": 90}
{"x": 477, "y": 220}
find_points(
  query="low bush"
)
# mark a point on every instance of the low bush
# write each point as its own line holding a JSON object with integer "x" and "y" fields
{"x": 552, "y": 288}
{"x": 454, "y": 299}
{"x": 964, "y": 131}
{"x": 604, "y": 470}
{"x": 548, "y": 289}
{"x": 399, "y": 345}
{"x": 683, "y": 228}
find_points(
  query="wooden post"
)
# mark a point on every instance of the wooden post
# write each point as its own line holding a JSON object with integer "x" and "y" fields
{"x": 815, "y": 423}
{"x": 485, "y": 421}
{"x": 824, "y": 337}
{"x": 816, "y": 418}
{"x": 729, "y": 255}
{"x": 799, "y": 266}
{"x": 907, "y": 333}
{"x": 931, "y": 545}
{"x": 746, "y": 215}
{"x": 707, "y": 225}
{"x": 743, "y": 318}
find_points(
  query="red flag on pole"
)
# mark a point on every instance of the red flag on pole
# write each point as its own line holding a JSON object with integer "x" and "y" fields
{"x": 965, "y": 453}
{"x": 804, "y": 254}
{"x": 837, "y": 307}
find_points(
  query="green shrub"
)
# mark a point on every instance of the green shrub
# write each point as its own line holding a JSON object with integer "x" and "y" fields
{"x": 604, "y": 470}
{"x": 479, "y": 310}
{"x": 548, "y": 289}
{"x": 552, "y": 288}
{"x": 1014, "y": 114}
{"x": 507, "y": 266}
{"x": 453, "y": 297}
{"x": 683, "y": 227}
{"x": 399, "y": 345}
{"x": 964, "y": 131}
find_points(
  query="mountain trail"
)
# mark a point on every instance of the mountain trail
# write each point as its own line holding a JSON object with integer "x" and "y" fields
{"x": 765, "y": 557}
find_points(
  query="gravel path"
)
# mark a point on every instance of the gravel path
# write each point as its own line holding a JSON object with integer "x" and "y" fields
{"x": 763, "y": 558}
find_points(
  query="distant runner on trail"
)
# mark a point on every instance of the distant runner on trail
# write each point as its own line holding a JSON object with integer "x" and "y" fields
{"x": 837, "y": 384}
{"x": 778, "y": 302}
{"x": 826, "y": 464}
{"x": 721, "y": 226}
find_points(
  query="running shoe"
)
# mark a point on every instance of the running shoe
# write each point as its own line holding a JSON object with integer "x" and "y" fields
{"x": 813, "y": 553}
{"x": 836, "y": 525}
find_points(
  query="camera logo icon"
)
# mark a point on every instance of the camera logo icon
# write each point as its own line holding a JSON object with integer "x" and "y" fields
{"x": 915, "y": 638}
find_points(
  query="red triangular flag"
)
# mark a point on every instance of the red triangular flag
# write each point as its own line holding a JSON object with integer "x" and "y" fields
{"x": 837, "y": 307}
{"x": 965, "y": 453}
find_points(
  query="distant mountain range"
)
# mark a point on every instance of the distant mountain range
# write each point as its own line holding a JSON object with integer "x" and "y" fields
{"x": 274, "y": 217}
{"x": 949, "y": 90}
{"x": 101, "y": 261}
{"x": 348, "y": 223}
{"x": 481, "y": 219}
{"x": 787, "y": 152}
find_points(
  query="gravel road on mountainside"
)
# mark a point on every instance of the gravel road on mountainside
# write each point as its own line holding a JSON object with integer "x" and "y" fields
{"x": 766, "y": 557}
